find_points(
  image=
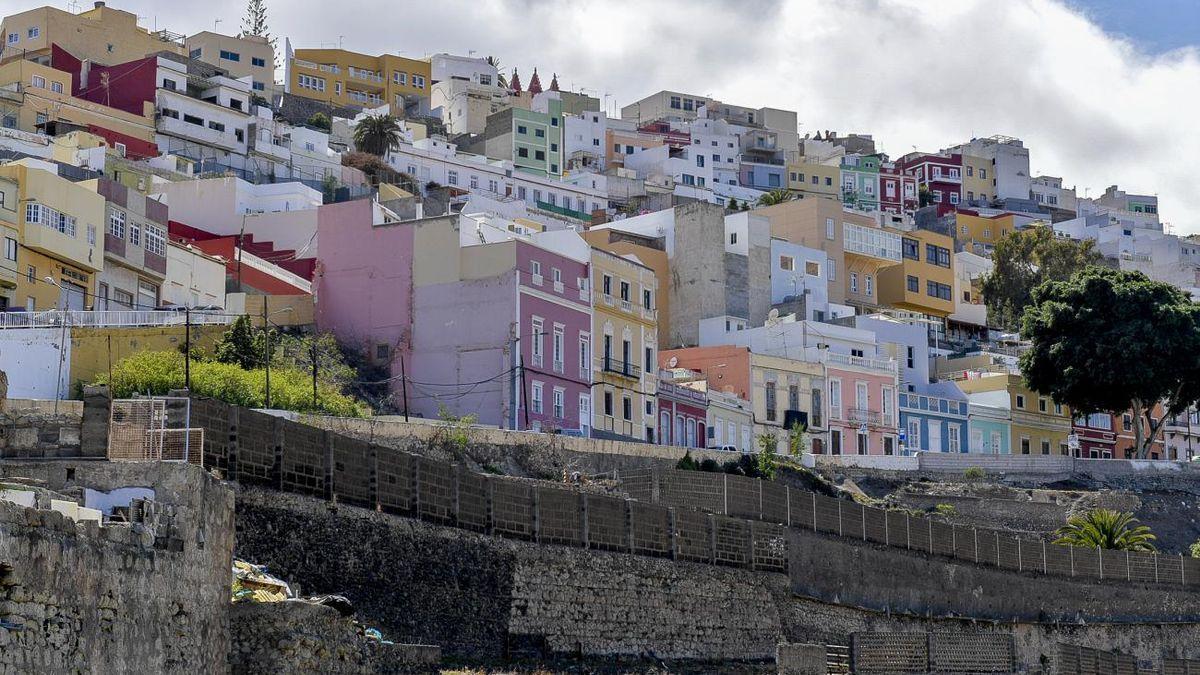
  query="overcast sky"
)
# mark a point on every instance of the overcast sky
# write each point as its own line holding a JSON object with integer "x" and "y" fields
{"x": 1094, "y": 105}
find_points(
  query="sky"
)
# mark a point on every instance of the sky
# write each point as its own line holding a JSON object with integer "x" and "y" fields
{"x": 1103, "y": 92}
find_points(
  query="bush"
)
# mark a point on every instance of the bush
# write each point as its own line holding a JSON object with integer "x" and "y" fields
{"x": 687, "y": 463}
{"x": 766, "y": 459}
{"x": 319, "y": 120}
{"x": 1196, "y": 549}
{"x": 945, "y": 510}
{"x": 974, "y": 473}
{"x": 710, "y": 465}
{"x": 157, "y": 372}
{"x": 734, "y": 467}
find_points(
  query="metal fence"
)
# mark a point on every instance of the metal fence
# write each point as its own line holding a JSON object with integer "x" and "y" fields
{"x": 882, "y": 653}
{"x": 744, "y": 497}
{"x": 1076, "y": 660}
{"x": 86, "y": 319}
{"x": 141, "y": 429}
{"x": 255, "y": 448}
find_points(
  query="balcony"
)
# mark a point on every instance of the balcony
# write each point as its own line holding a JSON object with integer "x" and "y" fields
{"x": 872, "y": 242}
{"x": 945, "y": 178}
{"x": 882, "y": 365}
{"x": 564, "y": 211}
{"x": 195, "y": 132}
{"x": 649, "y": 314}
{"x": 609, "y": 300}
{"x": 626, "y": 306}
{"x": 865, "y": 416}
{"x": 585, "y": 295}
{"x": 623, "y": 368}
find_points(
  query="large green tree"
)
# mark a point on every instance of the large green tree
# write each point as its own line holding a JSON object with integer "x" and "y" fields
{"x": 1109, "y": 341}
{"x": 1022, "y": 260}
{"x": 1108, "y": 529}
{"x": 377, "y": 134}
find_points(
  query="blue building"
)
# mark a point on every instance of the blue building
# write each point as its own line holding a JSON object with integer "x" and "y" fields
{"x": 933, "y": 415}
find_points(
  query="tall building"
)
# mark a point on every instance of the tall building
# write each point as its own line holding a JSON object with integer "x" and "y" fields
{"x": 102, "y": 35}
{"x": 241, "y": 56}
{"x": 1009, "y": 160}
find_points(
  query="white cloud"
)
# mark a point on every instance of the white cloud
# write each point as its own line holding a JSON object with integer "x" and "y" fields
{"x": 1091, "y": 107}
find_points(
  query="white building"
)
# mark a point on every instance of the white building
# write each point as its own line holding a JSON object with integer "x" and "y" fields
{"x": 1049, "y": 191}
{"x": 443, "y": 67}
{"x": 464, "y": 105}
{"x": 212, "y": 127}
{"x": 194, "y": 278}
{"x": 584, "y": 141}
{"x": 1138, "y": 211}
{"x": 1010, "y": 163}
{"x": 800, "y": 272}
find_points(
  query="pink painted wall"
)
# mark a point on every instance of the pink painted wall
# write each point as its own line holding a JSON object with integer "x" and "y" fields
{"x": 363, "y": 283}
{"x": 841, "y": 421}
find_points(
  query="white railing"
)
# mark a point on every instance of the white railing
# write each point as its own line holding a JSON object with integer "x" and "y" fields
{"x": 649, "y": 314}
{"x": 860, "y": 361}
{"x": 558, "y": 287}
{"x": 54, "y": 318}
{"x": 274, "y": 270}
{"x": 626, "y": 306}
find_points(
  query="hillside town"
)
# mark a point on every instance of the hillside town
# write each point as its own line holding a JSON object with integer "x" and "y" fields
{"x": 680, "y": 271}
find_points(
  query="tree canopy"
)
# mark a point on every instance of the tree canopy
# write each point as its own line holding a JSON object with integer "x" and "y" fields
{"x": 776, "y": 196}
{"x": 1022, "y": 260}
{"x": 377, "y": 134}
{"x": 1107, "y": 529}
{"x": 1109, "y": 341}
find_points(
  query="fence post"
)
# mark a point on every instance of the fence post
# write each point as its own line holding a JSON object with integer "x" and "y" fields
{"x": 1155, "y": 567}
{"x": 535, "y": 502}
{"x": 1045, "y": 562}
{"x": 1100, "y": 562}
{"x": 583, "y": 520}
{"x": 455, "y": 504}
{"x": 814, "y": 510}
{"x": 1128, "y": 569}
{"x": 908, "y": 531}
{"x": 1182, "y": 576}
{"x": 489, "y": 491}
{"x": 840, "y": 529}
{"x": 414, "y": 484}
{"x": 953, "y": 541}
{"x": 330, "y": 492}
{"x": 672, "y": 533}
{"x": 864, "y": 519}
{"x": 760, "y": 500}
{"x": 975, "y": 533}
{"x": 725, "y": 492}
{"x": 234, "y": 417}
{"x": 997, "y": 549}
{"x": 629, "y": 524}
{"x": 750, "y": 547}
{"x": 1072, "y": 550}
{"x": 373, "y": 475}
{"x": 930, "y": 521}
{"x": 887, "y": 534}
{"x": 277, "y": 447}
{"x": 1020, "y": 559}
{"x": 655, "y": 486}
{"x": 787, "y": 495}
{"x": 712, "y": 538}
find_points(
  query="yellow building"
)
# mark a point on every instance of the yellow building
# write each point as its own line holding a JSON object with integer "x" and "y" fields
{"x": 1039, "y": 425}
{"x": 248, "y": 55}
{"x": 625, "y": 345}
{"x": 60, "y": 237}
{"x": 982, "y": 232}
{"x": 649, "y": 252}
{"x": 10, "y": 230}
{"x": 815, "y": 180}
{"x": 344, "y": 78}
{"x": 978, "y": 181}
{"x": 924, "y": 280}
{"x": 101, "y": 35}
{"x": 32, "y": 95}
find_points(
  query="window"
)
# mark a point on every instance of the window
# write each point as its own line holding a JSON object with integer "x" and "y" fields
{"x": 31, "y": 273}
{"x": 869, "y": 285}
{"x": 536, "y": 405}
{"x": 829, "y": 228}
{"x": 521, "y": 129}
{"x": 676, "y": 102}
{"x": 257, "y": 62}
{"x": 259, "y": 86}
{"x": 854, "y": 282}
{"x": 647, "y": 298}
{"x": 10, "y": 249}
{"x": 539, "y": 133}
{"x": 559, "y": 403}
{"x": 33, "y": 32}
{"x": 864, "y": 444}
{"x": 523, "y": 152}
{"x": 913, "y": 287}
{"x": 1058, "y": 409}
{"x": 1045, "y": 447}
{"x": 910, "y": 248}
{"x": 216, "y": 126}
{"x": 230, "y": 56}
{"x": 982, "y": 173}
{"x": 649, "y": 359}
{"x": 835, "y": 399}
{"x": 91, "y": 235}
{"x": 953, "y": 197}
{"x": 771, "y": 413}
{"x": 625, "y": 291}
{"x": 585, "y": 355}
{"x": 700, "y": 161}
{"x": 156, "y": 240}
{"x": 936, "y": 290}
{"x": 14, "y": 38}
{"x": 535, "y": 334}
{"x": 1041, "y": 404}
{"x": 309, "y": 82}
{"x": 787, "y": 263}
{"x": 937, "y": 255}
{"x": 585, "y": 412}
{"x": 56, "y": 87}
{"x": 608, "y": 403}
{"x": 1020, "y": 401}
{"x": 33, "y": 213}
{"x": 39, "y": 81}
{"x": 539, "y": 155}
{"x": 835, "y": 442}
{"x": 732, "y": 235}
{"x": 910, "y": 352}
{"x": 812, "y": 268}
{"x": 832, "y": 267}
{"x": 626, "y": 408}
{"x": 937, "y": 196}
{"x": 557, "y": 348}
{"x": 1127, "y": 422}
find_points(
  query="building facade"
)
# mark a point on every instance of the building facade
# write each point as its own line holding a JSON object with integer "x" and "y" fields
{"x": 344, "y": 78}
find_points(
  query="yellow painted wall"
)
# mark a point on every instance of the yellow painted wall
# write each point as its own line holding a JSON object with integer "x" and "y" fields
{"x": 800, "y": 177}
{"x": 650, "y": 257}
{"x": 385, "y": 65}
{"x": 977, "y": 181}
{"x": 92, "y": 349}
{"x": 616, "y": 320}
{"x": 104, "y": 35}
{"x": 894, "y": 280}
{"x": 971, "y": 229}
{"x": 64, "y": 107}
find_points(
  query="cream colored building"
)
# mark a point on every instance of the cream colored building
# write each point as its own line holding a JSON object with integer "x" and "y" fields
{"x": 194, "y": 278}
{"x": 779, "y": 385}
{"x": 625, "y": 345}
{"x": 101, "y": 35}
{"x": 344, "y": 78}
{"x": 240, "y": 56}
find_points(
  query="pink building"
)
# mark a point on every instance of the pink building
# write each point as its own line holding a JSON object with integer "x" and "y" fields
{"x": 862, "y": 405}
{"x": 897, "y": 190}
{"x": 682, "y": 415}
{"x": 941, "y": 175}
{"x": 496, "y": 330}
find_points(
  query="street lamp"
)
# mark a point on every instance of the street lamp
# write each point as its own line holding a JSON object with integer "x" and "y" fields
{"x": 62, "y": 348}
{"x": 267, "y": 333}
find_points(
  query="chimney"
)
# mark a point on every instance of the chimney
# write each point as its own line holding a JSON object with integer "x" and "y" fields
{"x": 99, "y": 4}
{"x": 84, "y": 69}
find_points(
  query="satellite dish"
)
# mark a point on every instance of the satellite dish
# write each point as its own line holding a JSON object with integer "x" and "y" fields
{"x": 772, "y": 317}
{"x": 672, "y": 362}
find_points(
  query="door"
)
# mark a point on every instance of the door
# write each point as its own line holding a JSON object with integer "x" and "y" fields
{"x": 935, "y": 436}
{"x": 71, "y": 296}
{"x": 664, "y": 428}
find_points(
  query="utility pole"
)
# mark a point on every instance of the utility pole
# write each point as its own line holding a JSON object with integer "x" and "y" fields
{"x": 267, "y": 333}
{"x": 242, "y": 234}
{"x": 524, "y": 408}
{"x": 187, "y": 348}
{"x": 314, "y": 371}
{"x": 404, "y": 385}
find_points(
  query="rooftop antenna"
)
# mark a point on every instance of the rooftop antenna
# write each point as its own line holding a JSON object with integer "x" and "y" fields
{"x": 73, "y": 6}
{"x": 215, "y": 22}
{"x": 340, "y": 39}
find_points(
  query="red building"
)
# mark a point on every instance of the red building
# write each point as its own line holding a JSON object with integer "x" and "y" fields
{"x": 1127, "y": 441}
{"x": 682, "y": 415}
{"x": 897, "y": 190}
{"x": 941, "y": 175}
{"x": 1096, "y": 436}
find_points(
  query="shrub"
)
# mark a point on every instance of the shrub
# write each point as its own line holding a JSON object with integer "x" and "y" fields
{"x": 945, "y": 510}
{"x": 974, "y": 473}
{"x": 1107, "y": 529}
{"x": 734, "y": 467}
{"x": 157, "y": 372}
{"x": 710, "y": 465}
{"x": 767, "y": 460}
{"x": 319, "y": 120}
{"x": 687, "y": 463}
{"x": 1196, "y": 549}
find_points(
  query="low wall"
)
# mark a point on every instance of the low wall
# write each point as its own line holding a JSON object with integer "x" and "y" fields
{"x": 301, "y": 637}
{"x": 942, "y": 462}
{"x": 30, "y": 433}
{"x": 881, "y": 462}
{"x": 151, "y": 596}
{"x": 862, "y": 574}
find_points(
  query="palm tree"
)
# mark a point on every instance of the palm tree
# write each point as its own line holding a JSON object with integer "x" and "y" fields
{"x": 1106, "y": 528}
{"x": 377, "y": 134}
{"x": 776, "y": 196}
{"x": 500, "y": 78}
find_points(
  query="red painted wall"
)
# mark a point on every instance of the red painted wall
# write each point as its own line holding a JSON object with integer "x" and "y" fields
{"x": 130, "y": 84}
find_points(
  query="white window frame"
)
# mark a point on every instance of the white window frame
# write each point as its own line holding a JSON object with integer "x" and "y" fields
{"x": 952, "y": 439}
{"x": 557, "y": 347}
{"x": 535, "y": 398}
{"x": 560, "y": 403}
{"x": 914, "y": 433}
{"x": 835, "y": 398}
{"x": 536, "y": 335}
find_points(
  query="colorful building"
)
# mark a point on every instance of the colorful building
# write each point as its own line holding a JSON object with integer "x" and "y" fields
{"x": 1039, "y": 426}
{"x": 814, "y": 179}
{"x": 344, "y": 78}
{"x": 1126, "y": 442}
{"x": 103, "y": 35}
{"x": 624, "y": 322}
{"x": 1095, "y": 435}
{"x": 531, "y": 139}
{"x": 923, "y": 282}
{"x": 979, "y": 181}
{"x": 59, "y": 249}
{"x": 978, "y": 233}
{"x": 897, "y": 190}
{"x": 939, "y": 175}
{"x": 10, "y": 228}
{"x": 860, "y": 182}
{"x": 135, "y": 249}
{"x": 241, "y": 56}
{"x": 682, "y": 414}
